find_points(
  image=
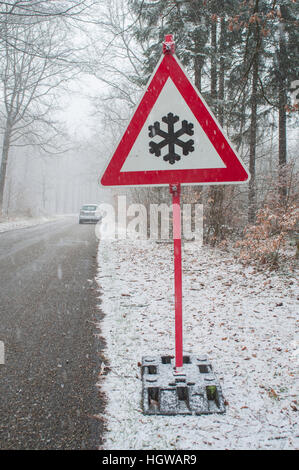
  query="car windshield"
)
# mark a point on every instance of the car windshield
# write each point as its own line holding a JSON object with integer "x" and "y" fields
{"x": 89, "y": 208}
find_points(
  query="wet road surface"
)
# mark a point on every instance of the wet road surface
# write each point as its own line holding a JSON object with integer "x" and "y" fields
{"x": 48, "y": 296}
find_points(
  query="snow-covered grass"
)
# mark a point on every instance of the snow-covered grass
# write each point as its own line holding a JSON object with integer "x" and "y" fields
{"x": 243, "y": 320}
{"x": 7, "y": 224}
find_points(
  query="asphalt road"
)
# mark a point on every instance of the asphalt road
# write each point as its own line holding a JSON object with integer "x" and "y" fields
{"x": 48, "y": 296}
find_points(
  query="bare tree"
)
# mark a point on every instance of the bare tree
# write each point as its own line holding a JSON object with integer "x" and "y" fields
{"x": 29, "y": 13}
{"x": 28, "y": 84}
{"x": 39, "y": 10}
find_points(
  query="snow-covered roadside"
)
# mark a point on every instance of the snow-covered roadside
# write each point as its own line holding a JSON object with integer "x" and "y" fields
{"x": 12, "y": 224}
{"x": 243, "y": 320}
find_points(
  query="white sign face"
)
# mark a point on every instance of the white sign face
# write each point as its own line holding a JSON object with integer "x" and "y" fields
{"x": 203, "y": 155}
{"x": 173, "y": 137}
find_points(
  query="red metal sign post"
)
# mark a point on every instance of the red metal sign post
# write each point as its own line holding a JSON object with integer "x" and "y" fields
{"x": 175, "y": 190}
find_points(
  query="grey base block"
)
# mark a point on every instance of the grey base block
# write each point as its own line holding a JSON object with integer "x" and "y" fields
{"x": 193, "y": 391}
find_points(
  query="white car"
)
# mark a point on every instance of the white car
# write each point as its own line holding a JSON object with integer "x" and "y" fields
{"x": 89, "y": 213}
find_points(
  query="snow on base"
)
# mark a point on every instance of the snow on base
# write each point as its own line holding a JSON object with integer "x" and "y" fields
{"x": 243, "y": 320}
{"x": 12, "y": 224}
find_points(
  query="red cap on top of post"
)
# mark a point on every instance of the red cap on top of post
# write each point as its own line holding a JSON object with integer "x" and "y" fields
{"x": 168, "y": 44}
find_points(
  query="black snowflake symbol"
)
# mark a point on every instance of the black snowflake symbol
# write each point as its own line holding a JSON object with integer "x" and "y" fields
{"x": 171, "y": 138}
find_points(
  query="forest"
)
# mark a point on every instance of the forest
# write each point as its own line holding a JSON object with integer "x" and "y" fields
{"x": 242, "y": 55}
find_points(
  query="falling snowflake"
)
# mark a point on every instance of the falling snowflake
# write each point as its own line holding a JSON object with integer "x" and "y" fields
{"x": 171, "y": 138}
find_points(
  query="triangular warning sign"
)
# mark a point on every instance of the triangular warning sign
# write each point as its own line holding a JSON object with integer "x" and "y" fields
{"x": 173, "y": 137}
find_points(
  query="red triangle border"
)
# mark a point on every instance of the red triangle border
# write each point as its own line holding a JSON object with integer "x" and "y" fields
{"x": 234, "y": 171}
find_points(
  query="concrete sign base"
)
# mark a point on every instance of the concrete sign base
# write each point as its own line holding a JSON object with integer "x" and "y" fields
{"x": 192, "y": 391}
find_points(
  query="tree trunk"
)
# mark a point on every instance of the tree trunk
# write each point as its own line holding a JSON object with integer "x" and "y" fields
{"x": 253, "y": 135}
{"x": 282, "y": 119}
{"x": 214, "y": 61}
{"x": 221, "y": 72}
{"x": 4, "y": 163}
{"x": 282, "y": 146}
{"x": 217, "y": 192}
{"x": 198, "y": 64}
